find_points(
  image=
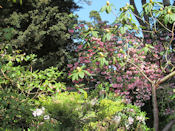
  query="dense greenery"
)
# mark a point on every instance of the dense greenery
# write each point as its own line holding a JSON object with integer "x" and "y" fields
{"x": 58, "y": 73}
{"x": 39, "y": 27}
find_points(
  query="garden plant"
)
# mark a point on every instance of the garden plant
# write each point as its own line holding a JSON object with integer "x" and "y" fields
{"x": 58, "y": 73}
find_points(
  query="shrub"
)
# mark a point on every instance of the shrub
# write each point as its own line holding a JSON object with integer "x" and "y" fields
{"x": 75, "y": 111}
{"x": 15, "y": 110}
{"x": 20, "y": 88}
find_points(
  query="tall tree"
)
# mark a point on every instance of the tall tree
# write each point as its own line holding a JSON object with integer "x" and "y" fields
{"x": 155, "y": 29}
{"x": 40, "y": 27}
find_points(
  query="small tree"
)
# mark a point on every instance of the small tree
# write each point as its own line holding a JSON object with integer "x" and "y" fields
{"x": 130, "y": 65}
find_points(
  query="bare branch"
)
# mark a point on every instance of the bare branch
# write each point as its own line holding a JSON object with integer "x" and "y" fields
{"x": 166, "y": 2}
{"x": 141, "y": 71}
{"x": 169, "y": 125}
{"x": 136, "y": 12}
{"x": 160, "y": 81}
{"x": 145, "y": 16}
{"x": 172, "y": 34}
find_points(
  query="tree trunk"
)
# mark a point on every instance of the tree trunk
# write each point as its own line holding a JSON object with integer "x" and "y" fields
{"x": 155, "y": 107}
{"x": 166, "y": 2}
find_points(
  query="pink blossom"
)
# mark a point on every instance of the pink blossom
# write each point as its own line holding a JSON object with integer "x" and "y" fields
{"x": 119, "y": 79}
{"x": 69, "y": 65}
{"x": 90, "y": 50}
{"x": 71, "y": 31}
{"x": 81, "y": 25}
{"x": 129, "y": 72}
{"x": 119, "y": 42}
{"x": 77, "y": 27}
{"x": 80, "y": 46}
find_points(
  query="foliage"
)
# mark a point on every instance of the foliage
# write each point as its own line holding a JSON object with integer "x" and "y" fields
{"x": 109, "y": 58}
{"x": 117, "y": 56}
{"x": 19, "y": 85}
{"x": 25, "y": 80}
{"x": 95, "y": 15}
{"x": 41, "y": 28}
{"x": 74, "y": 111}
{"x": 15, "y": 110}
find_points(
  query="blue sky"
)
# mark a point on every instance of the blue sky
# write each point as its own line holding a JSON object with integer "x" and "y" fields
{"x": 97, "y": 4}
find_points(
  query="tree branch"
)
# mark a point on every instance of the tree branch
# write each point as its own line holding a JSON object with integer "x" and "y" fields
{"x": 160, "y": 81}
{"x": 136, "y": 12}
{"x": 141, "y": 71}
{"x": 169, "y": 125}
{"x": 145, "y": 16}
{"x": 166, "y": 2}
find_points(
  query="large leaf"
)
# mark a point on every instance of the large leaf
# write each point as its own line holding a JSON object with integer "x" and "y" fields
{"x": 75, "y": 77}
{"x": 14, "y": 1}
{"x": 103, "y": 9}
{"x": 95, "y": 33}
{"x": 122, "y": 30}
{"x": 87, "y": 73}
{"x": 108, "y": 9}
{"x": 166, "y": 19}
{"x": 20, "y": 2}
{"x": 81, "y": 74}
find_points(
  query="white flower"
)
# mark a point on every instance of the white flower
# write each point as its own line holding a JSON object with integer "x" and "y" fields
{"x": 43, "y": 108}
{"x": 140, "y": 118}
{"x": 127, "y": 126}
{"x": 117, "y": 119}
{"x": 93, "y": 101}
{"x": 46, "y": 117}
{"x": 38, "y": 112}
{"x": 130, "y": 120}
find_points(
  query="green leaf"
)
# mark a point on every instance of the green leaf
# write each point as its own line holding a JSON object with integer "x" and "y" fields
{"x": 162, "y": 53}
{"x": 75, "y": 76}
{"x": 14, "y": 1}
{"x": 108, "y": 36}
{"x": 81, "y": 74}
{"x": 20, "y": 2}
{"x": 106, "y": 62}
{"x": 108, "y": 9}
{"x": 122, "y": 30}
{"x": 160, "y": 4}
{"x": 143, "y": 27}
{"x": 103, "y": 9}
{"x": 132, "y": 8}
{"x": 172, "y": 17}
{"x": 102, "y": 62}
{"x": 128, "y": 26}
{"x": 84, "y": 92}
{"x": 87, "y": 73}
{"x": 95, "y": 33}
{"x": 122, "y": 64}
{"x": 166, "y": 19}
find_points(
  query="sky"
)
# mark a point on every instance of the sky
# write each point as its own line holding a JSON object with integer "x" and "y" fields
{"x": 97, "y": 4}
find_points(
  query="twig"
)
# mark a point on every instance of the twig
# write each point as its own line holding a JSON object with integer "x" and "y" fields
{"x": 169, "y": 125}
{"x": 160, "y": 81}
{"x": 141, "y": 72}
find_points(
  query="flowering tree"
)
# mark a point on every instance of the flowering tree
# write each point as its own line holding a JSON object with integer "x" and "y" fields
{"x": 118, "y": 59}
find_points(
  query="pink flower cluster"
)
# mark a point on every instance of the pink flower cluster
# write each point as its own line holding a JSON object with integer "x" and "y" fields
{"x": 126, "y": 78}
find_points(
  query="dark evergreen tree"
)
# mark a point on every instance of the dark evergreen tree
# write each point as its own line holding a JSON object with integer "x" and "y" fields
{"x": 40, "y": 27}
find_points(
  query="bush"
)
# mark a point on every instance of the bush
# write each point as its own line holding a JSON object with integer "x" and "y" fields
{"x": 20, "y": 88}
{"x": 75, "y": 111}
{"x": 15, "y": 110}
